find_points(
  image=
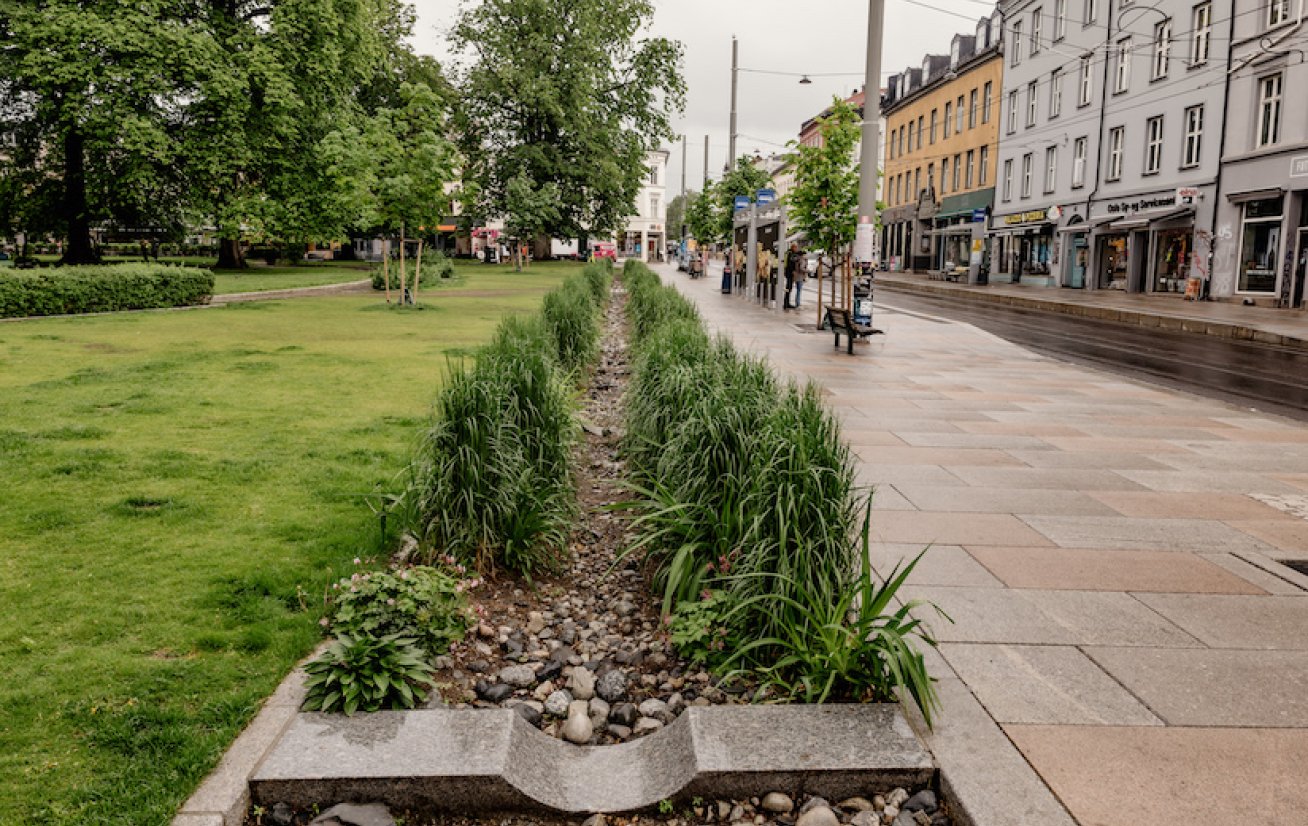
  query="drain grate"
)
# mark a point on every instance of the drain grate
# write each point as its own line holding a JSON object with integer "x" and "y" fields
{"x": 1300, "y": 565}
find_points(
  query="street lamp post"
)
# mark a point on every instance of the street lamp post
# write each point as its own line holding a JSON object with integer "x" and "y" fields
{"x": 867, "y": 181}
{"x": 735, "y": 72}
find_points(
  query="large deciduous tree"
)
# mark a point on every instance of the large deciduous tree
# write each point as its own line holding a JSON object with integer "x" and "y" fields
{"x": 743, "y": 179}
{"x": 564, "y": 92}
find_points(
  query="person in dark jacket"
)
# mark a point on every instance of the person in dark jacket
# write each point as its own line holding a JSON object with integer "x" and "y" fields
{"x": 794, "y": 264}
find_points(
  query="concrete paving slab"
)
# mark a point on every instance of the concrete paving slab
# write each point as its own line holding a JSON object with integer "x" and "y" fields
{"x": 887, "y": 498}
{"x": 1221, "y": 621}
{"x": 864, "y": 437}
{"x": 1127, "y": 776}
{"x": 1004, "y": 500}
{"x": 972, "y": 440}
{"x": 1193, "y": 481}
{"x": 1222, "y": 506}
{"x": 1213, "y": 687}
{"x": 890, "y": 455}
{"x": 1259, "y": 576}
{"x": 1077, "y": 569}
{"x": 872, "y": 474}
{"x": 1033, "y": 428}
{"x": 940, "y": 565}
{"x": 1029, "y": 478}
{"x": 1044, "y": 684}
{"x": 1290, "y": 535}
{"x": 1055, "y": 460}
{"x": 1125, "y": 533}
{"x": 954, "y": 529}
{"x": 1004, "y": 615}
{"x": 1100, "y": 444}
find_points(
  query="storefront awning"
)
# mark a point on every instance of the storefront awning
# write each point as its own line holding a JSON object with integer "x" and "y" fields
{"x": 956, "y": 229}
{"x": 1144, "y": 219}
{"x": 1254, "y": 195}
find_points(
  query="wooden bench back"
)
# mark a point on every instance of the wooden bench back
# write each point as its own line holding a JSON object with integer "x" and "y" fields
{"x": 840, "y": 317}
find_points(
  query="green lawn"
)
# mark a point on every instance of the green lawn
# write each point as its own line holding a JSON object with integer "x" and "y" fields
{"x": 259, "y": 278}
{"x": 179, "y": 488}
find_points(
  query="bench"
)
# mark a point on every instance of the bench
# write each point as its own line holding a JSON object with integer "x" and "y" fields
{"x": 841, "y": 320}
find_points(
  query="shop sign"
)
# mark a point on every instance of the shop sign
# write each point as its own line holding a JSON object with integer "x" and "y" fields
{"x": 1124, "y": 207}
{"x": 978, "y": 215}
{"x": 1299, "y": 166}
{"x": 1187, "y": 194}
{"x": 1054, "y": 213}
{"x": 1030, "y": 217}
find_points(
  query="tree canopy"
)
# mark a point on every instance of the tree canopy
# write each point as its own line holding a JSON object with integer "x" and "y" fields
{"x": 824, "y": 201}
{"x": 568, "y": 93}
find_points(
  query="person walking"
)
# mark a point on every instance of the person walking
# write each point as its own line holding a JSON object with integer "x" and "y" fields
{"x": 801, "y": 275}
{"x": 792, "y": 257}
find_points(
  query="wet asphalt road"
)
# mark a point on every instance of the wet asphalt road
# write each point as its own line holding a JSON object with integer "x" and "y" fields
{"x": 1261, "y": 376}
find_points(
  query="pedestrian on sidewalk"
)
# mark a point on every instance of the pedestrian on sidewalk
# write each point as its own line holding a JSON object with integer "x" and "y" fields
{"x": 801, "y": 274}
{"x": 792, "y": 257}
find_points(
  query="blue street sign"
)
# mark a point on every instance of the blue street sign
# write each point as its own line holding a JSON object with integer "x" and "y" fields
{"x": 742, "y": 202}
{"x": 766, "y": 196}
{"x": 978, "y": 215}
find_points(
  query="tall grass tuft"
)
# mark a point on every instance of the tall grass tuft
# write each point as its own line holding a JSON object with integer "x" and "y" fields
{"x": 492, "y": 483}
{"x": 746, "y": 501}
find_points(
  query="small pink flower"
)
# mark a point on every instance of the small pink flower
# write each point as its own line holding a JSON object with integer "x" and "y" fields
{"x": 358, "y": 561}
{"x": 336, "y": 586}
{"x": 354, "y": 577}
{"x": 706, "y": 594}
{"x": 390, "y": 601}
{"x": 404, "y": 574}
{"x": 323, "y": 622}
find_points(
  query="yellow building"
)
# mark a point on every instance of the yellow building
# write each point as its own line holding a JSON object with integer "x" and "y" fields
{"x": 941, "y": 151}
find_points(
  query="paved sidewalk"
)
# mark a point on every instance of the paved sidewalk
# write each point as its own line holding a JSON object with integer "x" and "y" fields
{"x": 1126, "y": 648}
{"x": 1224, "y": 319}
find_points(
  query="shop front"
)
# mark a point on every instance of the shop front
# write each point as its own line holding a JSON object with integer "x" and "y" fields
{"x": 1152, "y": 243}
{"x": 1262, "y": 239}
{"x": 897, "y": 246}
{"x": 1023, "y": 249}
{"x": 956, "y": 224}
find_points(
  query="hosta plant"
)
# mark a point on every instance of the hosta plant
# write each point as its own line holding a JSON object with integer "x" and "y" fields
{"x": 367, "y": 673}
{"x": 423, "y": 603}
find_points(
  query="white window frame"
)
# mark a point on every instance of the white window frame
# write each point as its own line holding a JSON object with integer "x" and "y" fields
{"x": 1060, "y": 20}
{"x": 1192, "y": 141}
{"x": 981, "y": 170}
{"x": 1162, "y": 48}
{"x": 1122, "y": 77}
{"x": 1087, "y": 82}
{"x": 1055, "y": 93}
{"x": 1032, "y": 102}
{"x": 1078, "y": 161}
{"x": 1270, "y": 97}
{"x": 958, "y": 171}
{"x": 1017, "y": 44}
{"x": 958, "y": 115}
{"x": 1153, "y": 145}
{"x": 1201, "y": 26}
{"x": 1051, "y": 168}
{"x": 970, "y": 174}
{"x": 1012, "y": 111}
{"x": 988, "y": 91}
{"x": 1037, "y": 19}
{"x": 935, "y": 113}
{"x": 1026, "y": 175}
{"x": 1278, "y": 13}
{"x": 1008, "y": 179}
{"x": 1116, "y": 140}
{"x": 1281, "y": 241}
{"x": 971, "y": 109}
{"x": 1091, "y": 12}
{"x": 949, "y": 116}
{"x": 944, "y": 175}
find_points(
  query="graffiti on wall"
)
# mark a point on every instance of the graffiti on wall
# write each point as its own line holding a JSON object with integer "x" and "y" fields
{"x": 1223, "y": 272}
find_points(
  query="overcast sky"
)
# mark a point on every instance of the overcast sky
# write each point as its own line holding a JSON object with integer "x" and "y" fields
{"x": 804, "y": 36}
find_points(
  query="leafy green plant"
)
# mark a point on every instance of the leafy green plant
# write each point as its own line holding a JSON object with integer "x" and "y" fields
{"x": 701, "y": 631}
{"x": 99, "y": 289}
{"x": 367, "y": 673}
{"x": 422, "y": 603}
{"x": 430, "y": 274}
{"x": 572, "y": 317}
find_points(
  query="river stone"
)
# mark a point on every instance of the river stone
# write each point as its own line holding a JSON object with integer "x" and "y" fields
{"x": 856, "y": 804}
{"x": 612, "y": 686}
{"x": 354, "y": 814}
{"x": 656, "y": 709}
{"x": 581, "y": 682}
{"x": 619, "y": 732}
{"x": 528, "y": 713}
{"x": 813, "y": 803}
{"x": 558, "y": 703}
{"x": 818, "y": 816}
{"x": 518, "y": 676}
{"x": 535, "y": 622}
{"x": 867, "y": 817}
{"x": 599, "y": 708}
{"x": 549, "y": 670}
{"x": 646, "y": 725}
{"x": 493, "y": 692}
{"x": 896, "y": 798}
{"x": 578, "y": 729}
{"x": 778, "y": 803}
{"x": 624, "y": 714}
{"x": 923, "y": 801}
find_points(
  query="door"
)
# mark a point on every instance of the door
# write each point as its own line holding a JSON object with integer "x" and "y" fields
{"x": 1080, "y": 261}
{"x": 1300, "y": 267}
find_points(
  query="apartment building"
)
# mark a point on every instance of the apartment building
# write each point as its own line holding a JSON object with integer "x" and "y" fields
{"x": 645, "y": 237}
{"x": 1261, "y": 226}
{"x": 942, "y": 126}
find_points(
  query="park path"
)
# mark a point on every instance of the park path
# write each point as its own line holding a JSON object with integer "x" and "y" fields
{"x": 1126, "y": 645}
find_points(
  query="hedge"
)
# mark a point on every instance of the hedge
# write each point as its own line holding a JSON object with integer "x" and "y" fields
{"x": 101, "y": 289}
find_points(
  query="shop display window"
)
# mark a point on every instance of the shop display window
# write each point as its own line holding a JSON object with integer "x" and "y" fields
{"x": 1260, "y": 246}
{"x": 1172, "y": 260}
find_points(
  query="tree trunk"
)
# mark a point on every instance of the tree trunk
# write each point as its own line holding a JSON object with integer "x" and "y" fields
{"x": 417, "y": 273}
{"x": 79, "y": 250}
{"x": 819, "y": 292}
{"x": 404, "y": 279}
{"x": 386, "y": 267}
{"x": 230, "y": 254}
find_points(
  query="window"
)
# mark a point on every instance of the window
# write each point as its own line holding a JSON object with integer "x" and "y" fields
{"x": 1017, "y": 43}
{"x": 917, "y": 182}
{"x": 971, "y": 164}
{"x": 1051, "y": 168}
{"x": 1269, "y": 110}
{"x": 958, "y": 114}
{"x": 987, "y": 93}
{"x": 985, "y": 161}
{"x": 1060, "y": 19}
{"x": 933, "y": 125}
{"x": 1153, "y": 145}
{"x": 1008, "y": 179}
{"x": 1260, "y": 246}
{"x": 1031, "y": 103}
{"x": 1026, "y": 175}
{"x": 1201, "y": 33}
{"x": 958, "y": 170}
{"x": 971, "y": 109}
{"x": 1162, "y": 46}
{"x": 949, "y": 114}
{"x": 1012, "y": 111}
{"x": 901, "y": 140}
{"x": 931, "y": 176}
{"x": 1078, "y": 163}
{"x": 921, "y": 127}
{"x": 1091, "y": 12}
{"x": 1194, "y": 133}
{"x": 1278, "y": 11}
{"x": 1123, "y": 65}
{"x": 654, "y": 175}
{"x": 1087, "y": 82}
{"x": 944, "y": 175}
{"x": 1115, "y": 138}
{"x": 654, "y": 206}
{"x": 1037, "y": 17}
{"x": 1056, "y": 93}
